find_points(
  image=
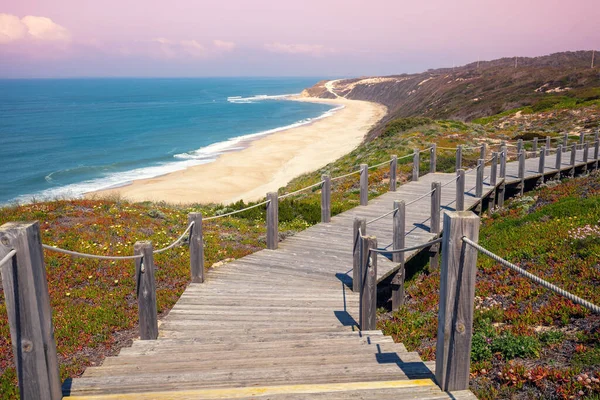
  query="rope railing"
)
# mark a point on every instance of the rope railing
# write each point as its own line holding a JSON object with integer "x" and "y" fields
{"x": 380, "y": 164}
{"x": 237, "y": 211}
{"x": 398, "y": 251}
{"x": 536, "y": 279}
{"x": 345, "y": 176}
{"x": 420, "y": 197}
{"x": 283, "y": 196}
{"x": 450, "y": 181}
{"x": 464, "y": 148}
{"x": 85, "y": 255}
{"x": 382, "y": 216}
{"x": 176, "y": 242}
{"x": 8, "y": 257}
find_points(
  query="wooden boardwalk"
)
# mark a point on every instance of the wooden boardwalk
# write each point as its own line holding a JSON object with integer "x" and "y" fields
{"x": 282, "y": 324}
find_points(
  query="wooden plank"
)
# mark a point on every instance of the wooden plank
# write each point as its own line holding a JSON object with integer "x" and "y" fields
{"x": 272, "y": 221}
{"x": 460, "y": 190}
{"x": 359, "y": 229}
{"x": 196, "y": 248}
{"x": 457, "y": 295}
{"x": 393, "y": 173}
{"x": 326, "y": 199}
{"x": 399, "y": 236}
{"x": 146, "y": 290}
{"x": 368, "y": 289}
{"x": 364, "y": 184}
{"x": 29, "y": 314}
{"x": 416, "y": 163}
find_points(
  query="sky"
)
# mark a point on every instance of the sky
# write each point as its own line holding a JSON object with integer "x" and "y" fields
{"x": 327, "y": 38}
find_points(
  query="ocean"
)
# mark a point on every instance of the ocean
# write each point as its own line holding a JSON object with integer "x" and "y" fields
{"x": 65, "y": 137}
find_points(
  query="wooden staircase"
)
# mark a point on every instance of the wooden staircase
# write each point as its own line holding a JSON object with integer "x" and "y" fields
{"x": 277, "y": 324}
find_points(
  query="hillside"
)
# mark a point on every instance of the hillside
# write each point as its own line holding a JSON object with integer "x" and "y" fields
{"x": 476, "y": 90}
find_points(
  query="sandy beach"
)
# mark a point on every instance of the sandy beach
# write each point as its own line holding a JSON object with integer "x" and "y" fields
{"x": 267, "y": 164}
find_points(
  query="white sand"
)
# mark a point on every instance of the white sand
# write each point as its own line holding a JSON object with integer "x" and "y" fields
{"x": 267, "y": 164}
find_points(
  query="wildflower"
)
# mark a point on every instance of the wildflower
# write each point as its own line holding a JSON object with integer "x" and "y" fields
{"x": 68, "y": 294}
{"x": 116, "y": 281}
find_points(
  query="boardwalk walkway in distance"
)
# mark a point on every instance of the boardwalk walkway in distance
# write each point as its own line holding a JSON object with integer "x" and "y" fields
{"x": 282, "y": 324}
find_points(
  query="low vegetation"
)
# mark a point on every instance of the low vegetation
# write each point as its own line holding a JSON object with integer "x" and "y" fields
{"x": 94, "y": 304}
{"x": 527, "y": 342}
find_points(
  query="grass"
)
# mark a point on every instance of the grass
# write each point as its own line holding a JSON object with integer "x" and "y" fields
{"x": 519, "y": 326}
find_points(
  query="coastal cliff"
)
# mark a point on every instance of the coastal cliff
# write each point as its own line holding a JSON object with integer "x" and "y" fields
{"x": 475, "y": 90}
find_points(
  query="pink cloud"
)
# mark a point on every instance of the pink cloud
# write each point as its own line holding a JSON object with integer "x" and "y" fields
{"x": 309, "y": 49}
{"x": 223, "y": 45}
{"x": 31, "y": 28}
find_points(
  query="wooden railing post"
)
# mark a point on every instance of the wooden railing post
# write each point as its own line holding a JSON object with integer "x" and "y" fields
{"x": 565, "y": 142}
{"x": 272, "y": 220}
{"x": 364, "y": 184}
{"x": 368, "y": 289}
{"x": 581, "y": 139}
{"x": 519, "y": 145}
{"x": 503, "y": 163}
{"x": 458, "y": 157}
{"x": 359, "y": 228}
{"x": 535, "y": 144}
{"x": 398, "y": 242}
{"x": 479, "y": 178}
{"x": 548, "y": 144}
{"x": 29, "y": 313}
{"x": 521, "y": 157}
{"x": 494, "y": 169}
{"x": 483, "y": 151}
{"x": 586, "y": 154}
{"x": 493, "y": 180}
{"x": 433, "y": 158}
{"x": 146, "y": 290}
{"x": 558, "y": 163}
{"x": 460, "y": 190}
{"x": 393, "y": 173}
{"x": 326, "y": 199}
{"x": 501, "y": 193}
{"x": 196, "y": 248}
{"x": 573, "y": 158}
{"x": 542, "y": 164}
{"x": 457, "y": 295}
{"x": 434, "y": 227}
{"x": 596, "y": 149}
{"x": 416, "y": 162}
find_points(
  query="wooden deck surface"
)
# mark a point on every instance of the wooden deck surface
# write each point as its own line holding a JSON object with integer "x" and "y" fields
{"x": 282, "y": 324}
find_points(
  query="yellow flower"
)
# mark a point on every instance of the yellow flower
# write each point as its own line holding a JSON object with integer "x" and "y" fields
{"x": 116, "y": 281}
{"x": 68, "y": 293}
{"x": 90, "y": 277}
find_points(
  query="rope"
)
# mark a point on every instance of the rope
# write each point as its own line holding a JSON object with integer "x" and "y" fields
{"x": 420, "y": 197}
{"x": 419, "y": 246}
{"x": 345, "y": 176}
{"x": 536, "y": 279}
{"x": 449, "y": 182}
{"x": 175, "y": 242}
{"x": 237, "y": 211}
{"x": 8, "y": 257}
{"x": 464, "y": 148}
{"x": 84, "y": 255}
{"x": 382, "y": 216}
{"x": 380, "y": 164}
{"x": 283, "y": 196}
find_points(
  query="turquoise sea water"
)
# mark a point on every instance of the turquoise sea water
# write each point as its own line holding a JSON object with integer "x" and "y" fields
{"x": 67, "y": 137}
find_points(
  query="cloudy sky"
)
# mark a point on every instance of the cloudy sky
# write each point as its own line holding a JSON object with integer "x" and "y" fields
{"x": 67, "y": 38}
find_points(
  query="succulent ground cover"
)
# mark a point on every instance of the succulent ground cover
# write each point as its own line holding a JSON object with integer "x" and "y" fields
{"x": 528, "y": 342}
{"x": 93, "y": 302}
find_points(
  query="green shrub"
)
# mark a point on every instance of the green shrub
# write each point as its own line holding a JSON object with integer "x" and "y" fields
{"x": 588, "y": 358}
{"x": 551, "y": 337}
{"x": 513, "y": 346}
{"x": 480, "y": 348}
